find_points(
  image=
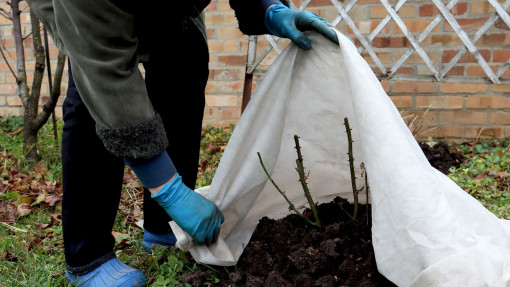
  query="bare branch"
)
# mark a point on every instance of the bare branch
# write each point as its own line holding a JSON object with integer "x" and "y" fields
{"x": 20, "y": 55}
{"x": 28, "y": 35}
{"x": 7, "y": 62}
{"x": 39, "y": 67}
{"x": 54, "y": 93}
{"x": 5, "y": 14}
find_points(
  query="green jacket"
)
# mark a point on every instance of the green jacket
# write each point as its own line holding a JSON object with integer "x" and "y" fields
{"x": 100, "y": 38}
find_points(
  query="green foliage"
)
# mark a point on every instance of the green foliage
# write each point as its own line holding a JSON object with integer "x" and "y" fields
{"x": 172, "y": 270}
{"x": 213, "y": 143}
{"x": 485, "y": 174}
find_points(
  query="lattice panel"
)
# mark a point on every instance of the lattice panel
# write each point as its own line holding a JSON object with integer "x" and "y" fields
{"x": 438, "y": 70}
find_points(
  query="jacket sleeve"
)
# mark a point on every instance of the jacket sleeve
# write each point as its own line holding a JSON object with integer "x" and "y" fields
{"x": 101, "y": 43}
{"x": 250, "y": 14}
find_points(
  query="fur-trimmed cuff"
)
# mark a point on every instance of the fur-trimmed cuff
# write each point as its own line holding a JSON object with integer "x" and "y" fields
{"x": 144, "y": 140}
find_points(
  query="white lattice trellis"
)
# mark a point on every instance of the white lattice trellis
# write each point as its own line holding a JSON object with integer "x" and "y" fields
{"x": 438, "y": 70}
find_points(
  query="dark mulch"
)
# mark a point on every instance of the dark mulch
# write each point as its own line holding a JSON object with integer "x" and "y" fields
{"x": 441, "y": 156}
{"x": 291, "y": 252}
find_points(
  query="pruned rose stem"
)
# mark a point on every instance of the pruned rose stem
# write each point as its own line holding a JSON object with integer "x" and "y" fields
{"x": 302, "y": 178}
{"x": 291, "y": 205}
{"x": 355, "y": 190}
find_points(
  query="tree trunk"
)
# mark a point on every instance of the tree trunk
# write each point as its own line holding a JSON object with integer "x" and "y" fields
{"x": 33, "y": 120}
{"x": 29, "y": 141}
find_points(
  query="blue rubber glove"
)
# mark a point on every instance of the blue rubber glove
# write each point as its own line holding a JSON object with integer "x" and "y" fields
{"x": 196, "y": 215}
{"x": 284, "y": 22}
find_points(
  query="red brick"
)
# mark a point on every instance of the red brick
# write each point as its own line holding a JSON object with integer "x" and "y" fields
{"x": 230, "y": 113}
{"x": 483, "y": 132}
{"x": 500, "y": 56}
{"x": 470, "y": 88}
{"x": 231, "y": 87}
{"x": 415, "y": 26}
{"x": 224, "y": 6}
{"x": 210, "y": 88}
{"x": 211, "y": 7}
{"x": 393, "y": 42}
{"x": 444, "y": 132}
{"x": 210, "y": 33}
{"x": 8, "y": 89}
{"x": 386, "y": 86}
{"x": 467, "y": 24}
{"x": 232, "y": 60}
{"x": 494, "y": 39}
{"x": 414, "y": 87}
{"x": 222, "y": 46}
{"x": 402, "y": 101}
{"x": 378, "y": 11}
{"x": 501, "y": 88}
{"x": 483, "y": 102}
{"x": 482, "y": 7}
{"x": 500, "y": 118}
{"x": 14, "y": 111}
{"x": 456, "y": 71}
{"x": 459, "y": 8}
{"x": 464, "y": 117}
{"x": 407, "y": 11}
{"x": 405, "y": 70}
{"x": 319, "y": 3}
{"x": 215, "y": 19}
{"x": 221, "y": 101}
{"x": 500, "y": 23}
{"x": 428, "y": 10}
{"x": 477, "y": 71}
{"x": 448, "y": 55}
{"x": 438, "y": 102}
{"x": 224, "y": 74}
{"x": 229, "y": 33}
{"x": 14, "y": 101}
{"x": 424, "y": 117}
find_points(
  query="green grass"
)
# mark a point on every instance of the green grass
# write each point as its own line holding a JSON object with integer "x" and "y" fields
{"x": 32, "y": 255}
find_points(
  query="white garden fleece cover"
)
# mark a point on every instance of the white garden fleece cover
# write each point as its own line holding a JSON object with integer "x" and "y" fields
{"x": 426, "y": 230}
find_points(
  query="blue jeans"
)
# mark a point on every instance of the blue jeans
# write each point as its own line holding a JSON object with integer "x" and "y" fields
{"x": 92, "y": 177}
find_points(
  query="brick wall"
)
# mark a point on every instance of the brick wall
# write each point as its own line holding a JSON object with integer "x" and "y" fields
{"x": 464, "y": 104}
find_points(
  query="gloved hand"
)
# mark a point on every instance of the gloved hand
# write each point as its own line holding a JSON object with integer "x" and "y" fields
{"x": 196, "y": 215}
{"x": 284, "y": 22}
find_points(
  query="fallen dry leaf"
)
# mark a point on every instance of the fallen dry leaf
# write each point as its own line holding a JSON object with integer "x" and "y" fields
{"x": 34, "y": 243}
{"x": 55, "y": 218}
{"x": 25, "y": 200}
{"x": 40, "y": 198}
{"x": 9, "y": 257}
{"x": 137, "y": 214}
{"x": 51, "y": 200}
{"x": 481, "y": 175}
{"x": 24, "y": 209}
{"x": 40, "y": 170}
{"x": 8, "y": 213}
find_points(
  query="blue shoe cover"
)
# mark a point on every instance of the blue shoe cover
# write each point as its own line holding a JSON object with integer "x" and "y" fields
{"x": 112, "y": 273}
{"x": 150, "y": 239}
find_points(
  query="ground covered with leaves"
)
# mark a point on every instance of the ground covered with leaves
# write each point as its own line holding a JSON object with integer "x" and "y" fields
{"x": 31, "y": 248}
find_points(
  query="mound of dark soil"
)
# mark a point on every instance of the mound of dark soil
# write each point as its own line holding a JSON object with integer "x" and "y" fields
{"x": 291, "y": 252}
{"x": 441, "y": 156}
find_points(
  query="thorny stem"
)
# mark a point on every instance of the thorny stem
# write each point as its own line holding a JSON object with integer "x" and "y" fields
{"x": 367, "y": 189}
{"x": 291, "y": 205}
{"x": 355, "y": 191}
{"x": 302, "y": 178}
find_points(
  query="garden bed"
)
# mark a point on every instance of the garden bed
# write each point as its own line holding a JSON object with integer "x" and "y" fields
{"x": 292, "y": 252}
